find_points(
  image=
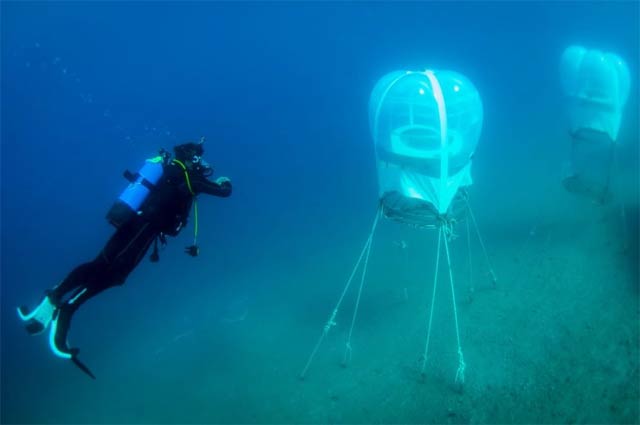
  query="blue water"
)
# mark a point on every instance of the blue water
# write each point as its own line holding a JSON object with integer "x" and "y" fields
{"x": 280, "y": 91}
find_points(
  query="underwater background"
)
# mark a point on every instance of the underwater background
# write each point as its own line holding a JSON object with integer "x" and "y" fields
{"x": 280, "y": 91}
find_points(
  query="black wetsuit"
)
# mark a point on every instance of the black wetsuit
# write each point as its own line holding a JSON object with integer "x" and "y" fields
{"x": 165, "y": 212}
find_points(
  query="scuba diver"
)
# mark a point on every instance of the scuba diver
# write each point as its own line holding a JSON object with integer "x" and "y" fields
{"x": 154, "y": 205}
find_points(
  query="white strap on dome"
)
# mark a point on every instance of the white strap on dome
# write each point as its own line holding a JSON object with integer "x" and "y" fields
{"x": 444, "y": 154}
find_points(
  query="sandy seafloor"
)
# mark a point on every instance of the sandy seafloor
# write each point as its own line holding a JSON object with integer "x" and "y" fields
{"x": 555, "y": 341}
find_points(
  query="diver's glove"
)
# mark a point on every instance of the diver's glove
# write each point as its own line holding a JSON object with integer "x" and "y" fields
{"x": 223, "y": 180}
{"x": 192, "y": 250}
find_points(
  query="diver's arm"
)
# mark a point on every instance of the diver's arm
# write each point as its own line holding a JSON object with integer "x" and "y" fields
{"x": 221, "y": 187}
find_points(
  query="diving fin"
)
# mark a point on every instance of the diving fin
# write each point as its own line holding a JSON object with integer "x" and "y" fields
{"x": 81, "y": 365}
{"x": 58, "y": 340}
{"x": 38, "y": 320}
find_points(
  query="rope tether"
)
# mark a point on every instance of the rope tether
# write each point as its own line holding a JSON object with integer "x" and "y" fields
{"x": 442, "y": 237}
{"x": 461, "y": 364}
{"x": 347, "y": 352}
{"x": 494, "y": 280}
{"x": 433, "y": 301}
{"x": 332, "y": 317}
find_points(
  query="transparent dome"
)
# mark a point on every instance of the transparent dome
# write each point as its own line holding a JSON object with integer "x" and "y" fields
{"x": 597, "y": 85}
{"x": 419, "y": 118}
{"x": 425, "y": 126}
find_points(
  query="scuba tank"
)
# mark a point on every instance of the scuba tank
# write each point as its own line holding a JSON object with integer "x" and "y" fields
{"x": 133, "y": 196}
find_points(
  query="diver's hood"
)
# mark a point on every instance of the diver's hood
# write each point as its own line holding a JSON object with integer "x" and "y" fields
{"x": 187, "y": 151}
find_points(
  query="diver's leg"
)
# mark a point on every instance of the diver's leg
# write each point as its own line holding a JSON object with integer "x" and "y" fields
{"x": 61, "y": 321}
{"x": 119, "y": 258}
{"x": 87, "y": 273}
{"x": 38, "y": 319}
{"x": 83, "y": 276}
{"x": 76, "y": 279}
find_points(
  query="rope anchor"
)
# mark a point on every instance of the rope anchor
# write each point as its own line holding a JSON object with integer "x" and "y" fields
{"x": 331, "y": 322}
